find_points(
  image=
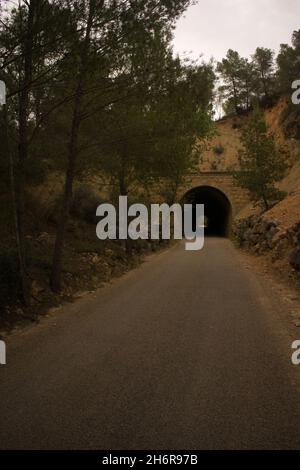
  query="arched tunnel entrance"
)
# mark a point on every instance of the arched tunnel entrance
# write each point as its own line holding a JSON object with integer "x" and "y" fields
{"x": 217, "y": 208}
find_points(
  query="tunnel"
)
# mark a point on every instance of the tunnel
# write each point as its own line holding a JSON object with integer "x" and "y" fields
{"x": 217, "y": 209}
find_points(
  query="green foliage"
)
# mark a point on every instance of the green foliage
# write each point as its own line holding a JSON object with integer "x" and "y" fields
{"x": 288, "y": 62}
{"x": 229, "y": 69}
{"x": 263, "y": 62}
{"x": 154, "y": 133}
{"x": 84, "y": 204}
{"x": 181, "y": 122}
{"x": 261, "y": 80}
{"x": 261, "y": 163}
{"x": 248, "y": 82}
{"x": 85, "y": 79}
{"x": 239, "y": 78}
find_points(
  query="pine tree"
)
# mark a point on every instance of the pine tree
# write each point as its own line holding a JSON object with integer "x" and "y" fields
{"x": 263, "y": 61}
{"x": 261, "y": 162}
{"x": 288, "y": 62}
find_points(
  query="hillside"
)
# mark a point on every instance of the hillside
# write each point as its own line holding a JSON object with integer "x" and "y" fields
{"x": 274, "y": 233}
{"x": 221, "y": 153}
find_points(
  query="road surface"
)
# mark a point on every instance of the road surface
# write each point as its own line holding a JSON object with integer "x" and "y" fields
{"x": 184, "y": 352}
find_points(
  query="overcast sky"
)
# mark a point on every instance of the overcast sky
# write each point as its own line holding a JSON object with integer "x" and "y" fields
{"x": 213, "y": 26}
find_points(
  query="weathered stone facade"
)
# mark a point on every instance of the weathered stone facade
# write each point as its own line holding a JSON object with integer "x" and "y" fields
{"x": 223, "y": 181}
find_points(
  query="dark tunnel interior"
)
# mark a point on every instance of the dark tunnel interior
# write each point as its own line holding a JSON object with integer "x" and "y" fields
{"x": 217, "y": 209}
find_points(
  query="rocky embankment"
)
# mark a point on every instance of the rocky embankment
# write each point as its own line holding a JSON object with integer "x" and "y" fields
{"x": 275, "y": 232}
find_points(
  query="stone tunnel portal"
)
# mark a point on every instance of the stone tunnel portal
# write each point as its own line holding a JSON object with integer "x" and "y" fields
{"x": 217, "y": 209}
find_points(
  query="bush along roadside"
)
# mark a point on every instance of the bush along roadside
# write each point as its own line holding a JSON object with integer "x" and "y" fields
{"x": 88, "y": 263}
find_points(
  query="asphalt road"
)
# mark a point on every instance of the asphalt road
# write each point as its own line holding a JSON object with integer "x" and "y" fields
{"x": 184, "y": 352}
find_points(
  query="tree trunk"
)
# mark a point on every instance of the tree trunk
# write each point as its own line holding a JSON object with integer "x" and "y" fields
{"x": 20, "y": 250}
{"x": 264, "y": 81}
{"x": 122, "y": 183}
{"x": 68, "y": 190}
{"x": 235, "y": 98}
{"x": 55, "y": 280}
{"x": 123, "y": 191}
{"x": 23, "y": 148}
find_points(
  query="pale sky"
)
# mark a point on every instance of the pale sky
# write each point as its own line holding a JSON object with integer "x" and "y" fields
{"x": 213, "y": 26}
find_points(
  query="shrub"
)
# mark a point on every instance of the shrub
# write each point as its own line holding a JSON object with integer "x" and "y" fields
{"x": 84, "y": 204}
{"x": 50, "y": 213}
{"x": 219, "y": 149}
